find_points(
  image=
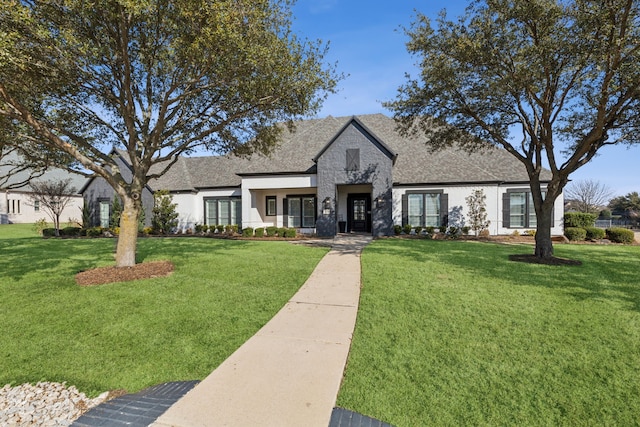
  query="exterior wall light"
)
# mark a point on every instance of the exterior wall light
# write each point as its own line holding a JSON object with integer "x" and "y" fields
{"x": 379, "y": 202}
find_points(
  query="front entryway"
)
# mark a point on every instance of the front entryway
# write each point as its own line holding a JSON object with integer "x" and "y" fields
{"x": 359, "y": 213}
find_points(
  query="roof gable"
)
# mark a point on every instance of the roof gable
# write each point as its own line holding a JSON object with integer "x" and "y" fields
{"x": 370, "y": 136}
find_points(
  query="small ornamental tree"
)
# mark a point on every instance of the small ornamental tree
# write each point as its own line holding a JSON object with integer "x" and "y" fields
{"x": 165, "y": 217}
{"x": 116, "y": 212}
{"x": 477, "y": 204}
{"x": 53, "y": 197}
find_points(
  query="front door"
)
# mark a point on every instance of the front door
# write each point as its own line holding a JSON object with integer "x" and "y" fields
{"x": 359, "y": 213}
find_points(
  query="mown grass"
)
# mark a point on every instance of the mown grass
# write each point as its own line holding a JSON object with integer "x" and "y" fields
{"x": 453, "y": 333}
{"x": 136, "y": 334}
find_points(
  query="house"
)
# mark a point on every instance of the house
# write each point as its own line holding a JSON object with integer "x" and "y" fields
{"x": 17, "y": 204}
{"x": 353, "y": 174}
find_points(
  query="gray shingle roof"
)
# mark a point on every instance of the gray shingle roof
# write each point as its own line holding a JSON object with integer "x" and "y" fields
{"x": 296, "y": 151}
{"x": 52, "y": 174}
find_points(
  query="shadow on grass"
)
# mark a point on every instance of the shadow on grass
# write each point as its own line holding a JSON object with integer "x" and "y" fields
{"x": 607, "y": 272}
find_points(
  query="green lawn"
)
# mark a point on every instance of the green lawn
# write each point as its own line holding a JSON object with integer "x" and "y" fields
{"x": 137, "y": 334}
{"x": 452, "y": 333}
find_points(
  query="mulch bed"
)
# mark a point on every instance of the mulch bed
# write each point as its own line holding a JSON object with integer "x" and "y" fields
{"x": 532, "y": 259}
{"x": 145, "y": 270}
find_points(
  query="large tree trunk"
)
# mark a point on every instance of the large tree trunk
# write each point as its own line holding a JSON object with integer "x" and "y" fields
{"x": 128, "y": 237}
{"x": 544, "y": 217}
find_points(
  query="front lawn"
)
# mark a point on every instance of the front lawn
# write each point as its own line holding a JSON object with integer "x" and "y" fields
{"x": 453, "y": 333}
{"x": 136, "y": 334}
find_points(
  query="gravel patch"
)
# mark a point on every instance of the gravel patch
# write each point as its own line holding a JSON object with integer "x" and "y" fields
{"x": 45, "y": 404}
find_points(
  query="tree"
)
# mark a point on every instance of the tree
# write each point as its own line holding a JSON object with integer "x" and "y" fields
{"x": 589, "y": 196}
{"x": 628, "y": 205}
{"x": 53, "y": 197}
{"x": 165, "y": 216}
{"x": 477, "y": 204}
{"x": 549, "y": 81}
{"x": 157, "y": 79}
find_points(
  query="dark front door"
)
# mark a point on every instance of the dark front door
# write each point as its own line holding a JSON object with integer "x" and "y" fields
{"x": 359, "y": 213}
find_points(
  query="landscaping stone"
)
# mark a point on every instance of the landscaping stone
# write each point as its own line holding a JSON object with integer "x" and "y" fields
{"x": 44, "y": 404}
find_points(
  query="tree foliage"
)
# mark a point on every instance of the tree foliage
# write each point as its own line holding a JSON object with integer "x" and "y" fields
{"x": 477, "y": 205}
{"x": 53, "y": 197}
{"x": 165, "y": 216}
{"x": 628, "y": 205}
{"x": 549, "y": 81}
{"x": 156, "y": 79}
{"x": 588, "y": 196}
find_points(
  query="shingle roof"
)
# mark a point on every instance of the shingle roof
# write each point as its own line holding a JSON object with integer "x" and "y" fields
{"x": 51, "y": 174}
{"x": 297, "y": 149}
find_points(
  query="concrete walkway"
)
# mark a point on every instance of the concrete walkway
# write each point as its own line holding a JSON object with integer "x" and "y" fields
{"x": 289, "y": 373}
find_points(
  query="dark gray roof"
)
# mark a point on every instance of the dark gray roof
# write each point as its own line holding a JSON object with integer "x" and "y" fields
{"x": 297, "y": 150}
{"x": 51, "y": 174}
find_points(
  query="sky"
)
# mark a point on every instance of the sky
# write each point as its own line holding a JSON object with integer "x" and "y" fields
{"x": 367, "y": 40}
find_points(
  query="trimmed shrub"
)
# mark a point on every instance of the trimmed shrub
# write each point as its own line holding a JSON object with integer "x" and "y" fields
{"x": 397, "y": 229}
{"x": 94, "y": 231}
{"x": 281, "y": 231}
{"x": 219, "y": 228}
{"x": 271, "y": 231}
{"x": 575, "y": 233}
{"x": 70, "y": 231}
{"x": 259, "y": 232}
{"x": 247, "y": 232}
{"x": 48, "y": 232}
{"x": 531, "y": 233}
{"x": 594, "y": 233}
{"x": 442, "y": 228}
{"x": 430, "y": 229}
{"x": 418, "y": 230}
{"x": 407, "y": 229}
{"x": 579, "y": 219}
{"x": 290, "y": 232}
{"x": 620, "y": 235}
{"x": 465, "y": 230}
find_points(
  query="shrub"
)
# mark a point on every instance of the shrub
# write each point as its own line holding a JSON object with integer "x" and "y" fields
{"x": 281, "y": 231}
{"x": 430, "y": 229}
{"x": 453, "y": 232}
{"x": 620, "y": 235}
{"x": 397, "y": 229}
{"x": 465, "y": 230}
{"x": 259, "y": 232}
{"x": 247, "y": 232}
{"x": 147, "y": 230}
{"x": 484, "y": 233}
{"x": 418, "y": 230}
{"x": 198, "y": 228}
{"x": 70, "y": 231}
{"x": 220, "y": 228}
{"x": 531, "y": 233}
{"x": 442, "y": 228}
{"x": 290, "y": 232}
{"x": 40, "y": 225}
{"x": 594, "y": 233}
{"x": 579, "y": 219}
{"x": 165, "y": 215}
{"x": 48, "y": 232}
{"x": 271, "y": 231}
{"x": 94, "y": 231}
{"x": 575, "y": 233}
{"x": 407, "y": 229}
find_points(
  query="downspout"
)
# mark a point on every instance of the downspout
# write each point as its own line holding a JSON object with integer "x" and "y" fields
{"x": 498, "y": 210}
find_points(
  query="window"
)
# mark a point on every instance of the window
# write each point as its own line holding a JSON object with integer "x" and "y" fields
{"x": 104, "y": 213}
{"x": 424, "y": 209}
{"x": 353, "y": 159}
{"x": 271, "y": 206}
{"x": 36, "y": 205}
{"x": 223, "y": 211}
{"x": 14, "y": 206}
{"x": 300, "y": 211}
{"x": 518, "y": 210}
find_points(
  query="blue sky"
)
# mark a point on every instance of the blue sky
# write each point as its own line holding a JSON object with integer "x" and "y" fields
{"x": 368, "y": 43}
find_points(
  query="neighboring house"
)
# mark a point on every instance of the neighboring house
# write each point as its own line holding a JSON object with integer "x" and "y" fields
{"x": 356, "y": 174}
{"x": 17, "y": 205}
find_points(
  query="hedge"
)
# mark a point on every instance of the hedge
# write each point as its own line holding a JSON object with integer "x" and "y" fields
{"x": 579, "y": 219}
{"x": 575, "y": 233}
{"x": 594, "y": 233}
{"x": 620, "y": 235}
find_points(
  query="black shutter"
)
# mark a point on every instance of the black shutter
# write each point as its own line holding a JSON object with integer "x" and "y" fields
{"x": 405, "y": 210}
{"x": 444, "y": 209}
{"x": 506, "y": 210}
{"x": 285, "y": 212}
{"x": 315, "y": 209}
